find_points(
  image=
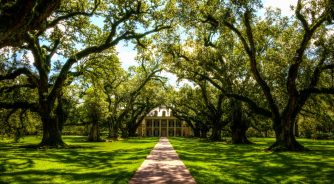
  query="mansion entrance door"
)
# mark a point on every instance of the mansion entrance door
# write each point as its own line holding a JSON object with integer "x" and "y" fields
{"x": 163, "y": 132}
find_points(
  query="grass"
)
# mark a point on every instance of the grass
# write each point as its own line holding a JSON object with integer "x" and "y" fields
{"x": 219, "y": 162}
{"x": 208, "y": 162}
{"x": 102, "y": 162}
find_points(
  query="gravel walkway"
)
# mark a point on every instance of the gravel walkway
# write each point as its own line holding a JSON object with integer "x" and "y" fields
{"x": 162, "y": 166}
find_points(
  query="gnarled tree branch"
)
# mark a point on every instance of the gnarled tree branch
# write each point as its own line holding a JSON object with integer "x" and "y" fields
{"x": 19, "y": 105}
{"x": 18, "y": 72}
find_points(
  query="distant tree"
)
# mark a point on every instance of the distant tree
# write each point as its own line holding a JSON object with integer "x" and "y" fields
{"x": 214, "y": 63}
{"x": 152, "y": 95}
{"x": 124, "y": 100}
{"x": 316, "y": 118}
{"x": 187, "y": 105}
{"x": 202, "y": 107}
{"x": 130, "y": 95}
{"x": 95, "y": 108}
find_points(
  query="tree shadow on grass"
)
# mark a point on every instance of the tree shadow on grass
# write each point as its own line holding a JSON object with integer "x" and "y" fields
{"x": 223, "y": 163}
{"x": 37, "y": 147}
{"x": 48, "y": 176}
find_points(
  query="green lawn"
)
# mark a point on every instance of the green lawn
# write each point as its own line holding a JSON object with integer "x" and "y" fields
{"x": 103, "y": 162}
{"x": 209, "y": 162}
{"x": 219, "y": 162}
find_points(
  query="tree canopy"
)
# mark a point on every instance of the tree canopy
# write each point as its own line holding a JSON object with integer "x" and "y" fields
{"x": 246, "y": 67}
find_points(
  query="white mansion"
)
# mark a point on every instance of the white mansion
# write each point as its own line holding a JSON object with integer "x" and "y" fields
{"x": 161, "y": 122}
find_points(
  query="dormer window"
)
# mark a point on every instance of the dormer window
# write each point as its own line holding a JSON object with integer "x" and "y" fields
{"x": 163, "y": 113}
{"x": 155, "y": 113}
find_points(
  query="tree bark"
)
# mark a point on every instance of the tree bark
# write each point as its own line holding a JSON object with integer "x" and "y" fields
{"x": 216, "y": 131}
{"x": 239, "y": 133}
{"x": 132, "y": 128}
{"x": 113, "y": 130}
{"x": 132, "y": 132}
{"x": 61, "y": 114}
{"x": 296, "y": 128}
{"x": 51, "y": 133}
{"x": 124, "y": 133}
{"x": 239, "y": 126}
{"x": 51, "y": 128}
{"x": 203, "y": 131}
{"x": 94, "y": 133}
{"x": 197, "y": 132}
{"x": 216, "y": 135}
{"x": 135, "y": 122}
{"x": 110, "y": 128}
{"x": 285, "y": 138}
{"x": 20, "y": 16}
{"x": 94, "y": 116}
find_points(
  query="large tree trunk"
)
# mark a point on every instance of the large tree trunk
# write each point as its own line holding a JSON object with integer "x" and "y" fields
{"x": 285, "y": 138}
{"x": 110, "y": 128}
{"x": 197, "y": 132}
{"x": 51, "y": 129}
{"x": 239, "y": 126}
{"x": 204, "y": 131}
{"x": 216, "y": 131}
{"x": 239, "y": 133}
{"x": 61, "y": 114}
{"x": 51, "y": 133}
{"x": 197, "y": 129}
{"x": 132, "y": 129}
{"x": 94, "y": 133}
{"x": 216, "y": 135}
{"x": 296, "y": 128}
{"x": 113, "y": 130}
{"x": 132, "y": 132}
{"x": 124, "y": 132}
{"x": 94, "y": 116}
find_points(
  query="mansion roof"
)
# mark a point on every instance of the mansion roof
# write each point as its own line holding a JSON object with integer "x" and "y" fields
{"x": 160, "y": 112}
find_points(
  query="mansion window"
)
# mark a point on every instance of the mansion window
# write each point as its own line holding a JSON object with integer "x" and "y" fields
{"x": 178, "y": 123}
{"x": 163, "y": 123}
{"x": 171, "y": 123}
{"x": 156, "y": 123}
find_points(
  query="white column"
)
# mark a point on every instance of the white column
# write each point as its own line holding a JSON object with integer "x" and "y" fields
{"x": 159, "y": 127}
{"x": 143, "y": 128}
{"x": 181, "y": 129}
{"x": 167, "y": 128}
{"x": 174, "y": 127}
{"x": 152, "y": 127}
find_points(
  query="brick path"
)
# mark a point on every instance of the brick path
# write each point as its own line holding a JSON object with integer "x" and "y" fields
{"x": 162, "y": 166}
